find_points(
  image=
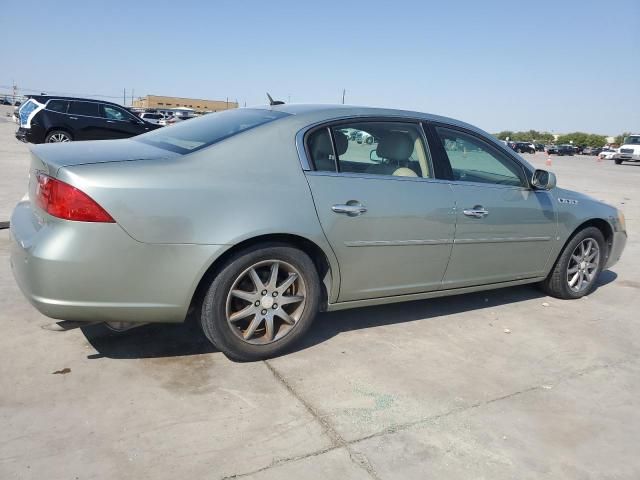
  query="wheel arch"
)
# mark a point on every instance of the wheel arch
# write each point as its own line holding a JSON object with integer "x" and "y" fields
{"x": 601, "y": 224}
{"x": 62, "y": 129}
{"x": 319, "y": 257}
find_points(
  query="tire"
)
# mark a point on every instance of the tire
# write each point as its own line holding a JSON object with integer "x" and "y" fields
{"x": 58, "y": 136}
{"x": 519, "y": 150}
{"x": 557, "y": 284}
{"x": 248, "y": 338}
{"x": 618, "y": 161}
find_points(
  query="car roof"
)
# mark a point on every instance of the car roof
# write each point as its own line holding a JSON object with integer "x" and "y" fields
{"x": 311, "y": 113}
{"x": 46, "y": 98}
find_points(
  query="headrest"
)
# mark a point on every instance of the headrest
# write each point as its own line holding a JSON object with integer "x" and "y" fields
{"x": 395, "y": 146}
{"x": 321, "y": 143}
{"x": 342, "y": 142}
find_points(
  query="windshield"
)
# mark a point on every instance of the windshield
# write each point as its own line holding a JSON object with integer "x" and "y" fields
{"x": 201, "y": 132}
{"x": 633, "y": 140}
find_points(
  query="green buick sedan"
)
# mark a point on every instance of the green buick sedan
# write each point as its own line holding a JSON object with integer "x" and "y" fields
{"x": 253, "y": 220}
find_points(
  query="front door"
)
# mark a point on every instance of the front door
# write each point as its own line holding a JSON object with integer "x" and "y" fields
{"x": 504, "y": 228}
{"x": 388, "y": 221}
{"x": 121, "y": 124}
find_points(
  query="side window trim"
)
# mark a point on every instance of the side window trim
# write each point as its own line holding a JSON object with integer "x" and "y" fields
{"x": 336, "y": 162}
{"x": 445, "y": 158}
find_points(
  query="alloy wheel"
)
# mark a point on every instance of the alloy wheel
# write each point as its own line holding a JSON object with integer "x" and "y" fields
{"x": 583, "y": 265}
{"x": 58, "y": 137}
{"x": 265, "y": 302}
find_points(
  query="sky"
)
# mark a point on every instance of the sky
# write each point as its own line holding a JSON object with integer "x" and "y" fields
{"x": 558, "y": 66}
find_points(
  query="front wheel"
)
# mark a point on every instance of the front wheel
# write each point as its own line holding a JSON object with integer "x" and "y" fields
{"x": 261, "y": 302}
{"x": 578, "y": 266}
{"x": 618, "y": 161}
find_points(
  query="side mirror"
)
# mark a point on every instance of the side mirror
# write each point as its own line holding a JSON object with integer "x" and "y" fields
{"x": 543, "y": 180}
{"x": 373, "y": 156}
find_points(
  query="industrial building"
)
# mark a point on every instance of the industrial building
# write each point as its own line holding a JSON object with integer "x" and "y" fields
{"x": 196, "y": 104}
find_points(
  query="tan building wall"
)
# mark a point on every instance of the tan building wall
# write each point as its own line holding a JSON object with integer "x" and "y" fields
{"x": 198, "y": 104}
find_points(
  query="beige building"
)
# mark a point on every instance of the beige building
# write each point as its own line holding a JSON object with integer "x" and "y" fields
{"x": 197, "y": 104}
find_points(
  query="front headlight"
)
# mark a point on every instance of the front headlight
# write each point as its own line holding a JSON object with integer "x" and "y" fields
{"x": 622, "y": 223}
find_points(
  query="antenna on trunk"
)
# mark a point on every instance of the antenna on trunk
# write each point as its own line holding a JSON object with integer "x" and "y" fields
{"x": 273, "y": 102}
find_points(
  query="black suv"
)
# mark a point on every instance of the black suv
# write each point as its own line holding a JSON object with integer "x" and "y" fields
{"x": 522, "y": 147}
{"x": 46, "y": 119}
{"x": 565, "y": 150}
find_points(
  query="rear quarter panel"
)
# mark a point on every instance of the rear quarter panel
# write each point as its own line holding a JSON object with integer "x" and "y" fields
{"x": 249, "y": 185}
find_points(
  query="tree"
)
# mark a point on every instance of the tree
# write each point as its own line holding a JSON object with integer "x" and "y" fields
{"x": 581, "y": 138}
{"x": 619, "y": 139}
{"x": 528, "y": 136}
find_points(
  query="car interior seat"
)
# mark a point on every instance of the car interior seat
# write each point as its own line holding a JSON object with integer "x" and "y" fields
{"x": 322, "y": 151}
{"x": 394, "y": 148}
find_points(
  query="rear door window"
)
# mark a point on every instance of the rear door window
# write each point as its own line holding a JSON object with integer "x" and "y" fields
{"x": 87, "y": 109}
{"x": 59, "y": 106}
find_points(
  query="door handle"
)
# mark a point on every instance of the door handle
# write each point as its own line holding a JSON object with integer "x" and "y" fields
{"x": 476, "y": 212}
{"x": 352, "y": 208}
{"x": 110, "y": 121}
{"x": 73, "y": 118}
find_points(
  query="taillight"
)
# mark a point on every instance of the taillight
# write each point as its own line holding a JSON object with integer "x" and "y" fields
{"x": 61, "y": 200}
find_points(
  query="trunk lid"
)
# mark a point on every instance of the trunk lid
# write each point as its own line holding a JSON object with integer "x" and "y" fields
{"x": 52, "y": 157}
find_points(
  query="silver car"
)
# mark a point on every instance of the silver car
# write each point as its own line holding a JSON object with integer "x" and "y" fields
{"x": 253, "y": 220}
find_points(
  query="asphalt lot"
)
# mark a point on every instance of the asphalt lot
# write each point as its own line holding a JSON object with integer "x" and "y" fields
{"x": 428, "y": 389}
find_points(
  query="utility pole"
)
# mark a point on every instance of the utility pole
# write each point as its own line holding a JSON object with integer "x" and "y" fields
{"x": 132, "y": 97}
{"x": 124, "y": 97}
{"x": 227, "y": 103}
{"x": 15, "y": 92}
{"x": 343, "y": 93}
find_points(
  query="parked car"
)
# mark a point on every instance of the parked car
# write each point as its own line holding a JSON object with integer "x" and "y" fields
{"x": 522, "y": 147}
{"x": 154, "y": 118}
{"x": 198, "y": 219}
{"x": 591, "y": 150}
{"x": 45, "y": 119}
{"x": 629, "y": 150}
{"x": 173, "y": 119}
{"x": 565, "y": 150}
{"x": 539, "y": 147}
{"x": 551, "y": 149}
{"x": 607, "y": 153}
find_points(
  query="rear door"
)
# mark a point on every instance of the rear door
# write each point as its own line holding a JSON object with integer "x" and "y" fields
{"x": 84, "y": 120}
{"x": 504, "y": 228}
{"x": 389, "y": 222}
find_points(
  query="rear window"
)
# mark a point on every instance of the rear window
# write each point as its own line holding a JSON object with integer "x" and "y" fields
{"x": 201, "y": 132}
{"x": 152, "y": 116}
{"x": 88, "y": 109}
{"x": 58, "y": 106}
{"x": 25, "y": 110}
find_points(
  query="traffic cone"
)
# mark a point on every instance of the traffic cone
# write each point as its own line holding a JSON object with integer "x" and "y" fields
{"x": 548, "y": 162}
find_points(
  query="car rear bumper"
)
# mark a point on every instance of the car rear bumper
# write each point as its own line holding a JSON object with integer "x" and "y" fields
{"x": 617, "y": 246}
{"x": 96, "y": 272}
{"x": 35, "y": 134}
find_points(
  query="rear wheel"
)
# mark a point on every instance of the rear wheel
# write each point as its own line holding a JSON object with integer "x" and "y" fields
{"x": 618, "y": 161}
{"x": 578, "y": 266}
{"x": 262, "y": 301}
{"x": 58, "y": 136}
